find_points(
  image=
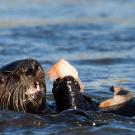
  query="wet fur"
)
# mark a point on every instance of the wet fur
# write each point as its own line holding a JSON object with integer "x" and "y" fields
{"x": 15, "y": 81}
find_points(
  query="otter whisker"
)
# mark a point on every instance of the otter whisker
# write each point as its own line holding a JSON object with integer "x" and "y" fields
{"x": 4, "y": 99}
{"x": 1, "y": 100}
{"x": 18, "y": 102}
{"x": 8, "y": 94}
{"x": 8, "y": 100}
{"x": 15, "y": 99}
{"x": 21, "y": 99}
{"x": 9, "y": 97}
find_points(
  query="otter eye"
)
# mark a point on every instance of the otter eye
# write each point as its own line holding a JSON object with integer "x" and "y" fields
{"x": 36, "y": 67}
{"x": 30, "y": 71}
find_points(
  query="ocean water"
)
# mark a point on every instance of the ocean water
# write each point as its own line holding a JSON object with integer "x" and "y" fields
{"x": 97, "y": 37}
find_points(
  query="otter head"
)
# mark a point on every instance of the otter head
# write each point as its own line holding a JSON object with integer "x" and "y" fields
{"x": 22, "y": 86}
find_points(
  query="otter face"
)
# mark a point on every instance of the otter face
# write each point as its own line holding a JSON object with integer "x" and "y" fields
{"x": 22, "y": 86}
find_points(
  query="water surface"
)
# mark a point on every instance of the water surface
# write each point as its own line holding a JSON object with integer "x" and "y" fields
{"x": 97, "y": 37}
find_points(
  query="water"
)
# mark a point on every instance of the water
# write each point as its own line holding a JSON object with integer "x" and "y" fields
{"x": 97, "y": 37}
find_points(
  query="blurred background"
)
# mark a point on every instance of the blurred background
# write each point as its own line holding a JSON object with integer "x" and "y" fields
{"x": 96, "y": 36}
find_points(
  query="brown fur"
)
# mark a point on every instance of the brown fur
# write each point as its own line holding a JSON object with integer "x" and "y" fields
{"x": 15, "y": 81}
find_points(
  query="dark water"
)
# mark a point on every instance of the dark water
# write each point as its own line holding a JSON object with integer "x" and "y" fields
{"x": 98, "y": 37}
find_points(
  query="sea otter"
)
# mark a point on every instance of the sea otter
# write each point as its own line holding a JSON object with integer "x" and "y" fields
{"x": 68, "y": 93}
{"x": 22, "y": 86}
{"x": 68, "y": 88}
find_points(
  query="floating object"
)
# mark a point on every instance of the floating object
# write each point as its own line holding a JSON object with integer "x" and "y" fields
{"x": 63, "y": 68}
{"x": 121, "y": 96}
